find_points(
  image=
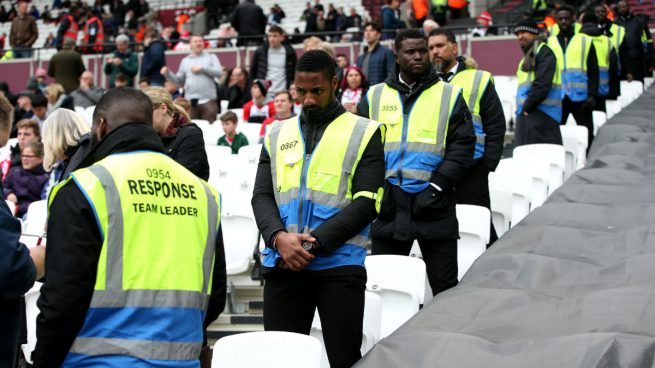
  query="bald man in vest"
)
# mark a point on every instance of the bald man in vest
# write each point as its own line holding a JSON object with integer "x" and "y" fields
{"x": 132, "y": 237}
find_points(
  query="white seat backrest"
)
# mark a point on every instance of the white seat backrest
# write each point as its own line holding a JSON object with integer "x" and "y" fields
{"x": 259, "y": 349}
{"x": 571, "y": 146}
{"x": 555, "y": 154}
{"x": 474, "y": 225}
{"x": 251, "y": 131}
{"x": 372, "y": 321}
{"x": 519, "y": 186}
{"x": 408, "y": 275}
{"x": 240, "y": 236}
{"x": 538, "y": 170}
{"x": 200, "y": 123}
{"x": 501, "y": 210}
{"x": 250, "y": 154}
{"x": 31, "y": 312}
{"x": 36, "y": 218}
{"x": 224, "y": 104}
{"x": 239, "y": 113}
{"x": 211, "y": 133}
{"x": 600, "y": 118}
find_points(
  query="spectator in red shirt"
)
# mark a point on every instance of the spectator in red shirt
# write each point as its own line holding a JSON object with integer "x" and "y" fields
{"x": 283, "y": 108}
{"x": 257, "y": 110}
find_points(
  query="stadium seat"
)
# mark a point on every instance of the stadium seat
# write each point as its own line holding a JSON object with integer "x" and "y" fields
{"x": 648, "y": 81}
{"x": 223, "y": 105}
{"x": 571, "y": 146}
{"x": 240, "y": 236}
{"x": 519, "y": 186}
{"x": 580, "y": 134}
{"x": 211, "y": 133}
{"x": 250, "y": 154}
{"x": 632, "y": 89}
{"x": 267, "y": 348}
{"x": 539, "y": 171}
{"x": 251, "y": 131}
{"x": 600, "y": 118}
{"x": 612, "y": 108}
{"x": 370, "y": 331}
{"x": 31, "y": 311}
{"x": 501, "y": 210}
{"x": 200, "y": 123}
{"x": 553, "y": 153}
{"x": 36, "y": 218}
{"x": 239, "y": 113}
{"x": 400, "y": 290}
{"x": 474, "y": 230}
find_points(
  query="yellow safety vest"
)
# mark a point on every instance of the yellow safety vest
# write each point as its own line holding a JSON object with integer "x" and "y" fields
{"x": 312, "y": 188}
{"x": 554, "y": 30}
{"x": 415, "y": 142}
{"x": 473, "y": 84}
{"x": 159, "y": 224}
{"x": 572, "y": 62}
{"x": 552, "y": 104}
{"x": 618, "y": 34}
{"x": 603, "y": 46}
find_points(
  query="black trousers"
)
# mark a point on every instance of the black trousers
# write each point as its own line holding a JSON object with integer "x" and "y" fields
{"x": 291, "y": 298}
{"x": 440, "y": 257}
{"x": 583, "y": 116}
{"x": 537, "y": 127}
{"x": 473, "y": 189}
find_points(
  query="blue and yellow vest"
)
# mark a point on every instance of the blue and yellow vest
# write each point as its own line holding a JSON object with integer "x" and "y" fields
{"x": 312, "y": 188}
{"x": 572, "y": 62}
{"x": 603, "y": 46}
{"x": 159, "y": 224}
{"x": 552, "y": 104}
{"x": 473, "y": 84}
{"x": 415, "y": 142}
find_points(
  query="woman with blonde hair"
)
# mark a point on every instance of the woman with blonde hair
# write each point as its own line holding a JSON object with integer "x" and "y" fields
{"x": 57, "y": 97}
{"x": 182, "y": 139}
{"x": 66, "y": 142}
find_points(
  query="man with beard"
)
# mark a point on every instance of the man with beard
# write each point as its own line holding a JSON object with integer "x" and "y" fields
{"x": 639, "y": 44}
{"x": 576, "y": 58}
{"x": 486, "y": 111}
{"x": 428, "y": 149}
{"x": 316, "y": 193}
{"x": 539, "y": 95}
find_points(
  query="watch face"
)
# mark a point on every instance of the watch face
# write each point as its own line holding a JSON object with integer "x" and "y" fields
{"x": 307, "y": 245}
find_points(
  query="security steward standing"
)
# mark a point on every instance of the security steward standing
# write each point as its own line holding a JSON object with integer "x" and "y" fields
{"x": 576, "y": 58}
{"x": 486, "y": 112}
{"x": 94, "y": 33}
{"x": 606, "y": 56}
{"x": 616, "y": 33}
{"x": 317, "y": 190}
{"x": 428, "y": 148}
{"x": 539, "y": 95}
{"x": 132, "y": 238}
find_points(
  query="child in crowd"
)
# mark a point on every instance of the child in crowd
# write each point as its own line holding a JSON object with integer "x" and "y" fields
{"x": 257, "y": 110}
{"x": 231, "y": 138}
{"x": 25, "y": 183}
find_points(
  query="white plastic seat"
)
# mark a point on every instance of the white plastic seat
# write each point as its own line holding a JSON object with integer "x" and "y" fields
{"x": 538, "y": 170}
{"x": 401, "y": 290}
{"x": 501, "y": 211}
{"x": 370, "y": 331}
{"x": 239, "y": 113}
{"x": 554, "y": 154}
{"x": 632, "y": 89}
{"x": 251, "y": 131}
{"x": 240, "y": 236}
{"x": 518, "y": 186}
{"x": 580, "y": 134}
{"x": 200, "y": 123}
{"x": 600, "y": 118}
{"x": 31, "y": 312}
{"x": 612, "y": 108}
{"x": 474, "y": 227}
{"x": 648, "y": 81}
{"x": 36, "y": 218}
{"x": 267, "y": 349}
{"x": 211, "y": 133}
{"x": 571, "y": 146}
{"x": 250, "y": 154}
{"x": 224, "y": 104}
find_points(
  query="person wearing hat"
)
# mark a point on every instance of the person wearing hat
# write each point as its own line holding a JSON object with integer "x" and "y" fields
{"x": 540, "y": 93}
{"x": 484, "y": 27}
{"x": 259, "y": 108}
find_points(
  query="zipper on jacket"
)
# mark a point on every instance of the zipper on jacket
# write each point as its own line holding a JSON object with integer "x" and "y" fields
{"x": 307, "y": 157}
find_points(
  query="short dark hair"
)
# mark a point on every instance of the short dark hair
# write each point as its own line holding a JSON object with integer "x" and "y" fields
{"x": 284, "y": 93}
{"x": 29, "y": 124}
{"x": 276, "y": 29}
{"x": 443, "y": 32}
{"x": 565, "y": 8}
{"x": 229, "y": 116}
{"x": 122, "y": 105}
{"x": 375, "y": 25}
{"x": 589, "y": 17}
{"x": 36, "y": 147}
{"x": 317, "y": 61}
{"x": 407, "y": 34}
{"x": 6, "y": 113}
{"x": 39, "y": 100}
{"x": 121, "y": 77}
{"x": 341, "y": 55}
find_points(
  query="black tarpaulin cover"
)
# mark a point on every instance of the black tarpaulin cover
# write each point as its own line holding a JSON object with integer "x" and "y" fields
{"x": 573, "y": 285}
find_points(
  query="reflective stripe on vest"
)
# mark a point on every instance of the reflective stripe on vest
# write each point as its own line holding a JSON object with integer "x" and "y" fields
{"x": 100, "y": 36}
{"x": 415, "y": 142}
{"x": 552, "y": 104}
{"x": 150, "y": 295}
{"x": 473, "y": 84}
{"x": 573, "y": 64}
{"x": 618, "y": 33}
{"x": 71, "y": 31}
{"x": 603, "y": 46}
{"x": 312, "y": 188}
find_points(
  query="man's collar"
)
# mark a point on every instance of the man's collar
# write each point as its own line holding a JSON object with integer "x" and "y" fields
{"x": 400, "y": 78}
{"x": 454, "y": 68}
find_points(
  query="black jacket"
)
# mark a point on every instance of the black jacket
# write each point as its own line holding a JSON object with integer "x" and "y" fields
{"x": 592, "y": 64}
{"x": 153, "y": 60}
{"x": 545, "y": 67}
{"x": 187, "y": 148}
{"x": 493, "y": 122}
{"x": 74, "y": 245}
{"x": 428, "y": 214}
{"x": 259, "y": 66}
{"x": 248, "y": 19}
{"x": 368, "y": 176}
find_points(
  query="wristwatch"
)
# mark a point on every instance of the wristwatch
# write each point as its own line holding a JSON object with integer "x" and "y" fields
{"x": 309, "y": 246}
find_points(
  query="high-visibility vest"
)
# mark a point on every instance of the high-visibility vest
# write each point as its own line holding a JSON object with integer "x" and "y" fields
{"x": 539, "y": 5}
{"x": 552, "y": 104}
{"x": 554, "y": 30}
{"x": 618, "y": 33}
{"x": 159, "y": 224}
{"x": 100, "y": 36}
{"x": 473, "y": 84}
{"x": 71, "y": 32}
{"x": 603, "y": 47}
{"x": 572, "y": 62}
{"x": 415, "y": 143}
{"x": 439, "y": 3}
{"x": 311, "y": 188}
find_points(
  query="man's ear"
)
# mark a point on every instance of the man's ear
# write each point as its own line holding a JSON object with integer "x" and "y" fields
{"x": 101, "y": 130}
